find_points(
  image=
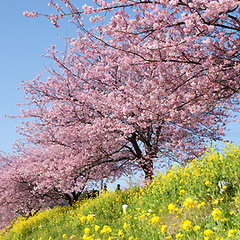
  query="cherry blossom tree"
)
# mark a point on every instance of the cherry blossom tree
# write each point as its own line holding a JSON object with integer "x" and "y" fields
{"x": 36, "y": 178}
{"x": 19, "y": 193}
{"x": 150, "y": 79}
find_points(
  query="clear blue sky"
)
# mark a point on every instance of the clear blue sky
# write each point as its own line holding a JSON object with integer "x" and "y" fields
{"x": 22, "y": 41}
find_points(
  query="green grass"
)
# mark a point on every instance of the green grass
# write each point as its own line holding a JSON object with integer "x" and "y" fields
{"x": 184, "y": 203}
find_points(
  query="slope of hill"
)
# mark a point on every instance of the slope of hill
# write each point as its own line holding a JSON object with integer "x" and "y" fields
{"x": 185, "y": 203}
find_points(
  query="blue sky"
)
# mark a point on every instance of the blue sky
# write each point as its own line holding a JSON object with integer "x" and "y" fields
{"x": 22, "y": 41}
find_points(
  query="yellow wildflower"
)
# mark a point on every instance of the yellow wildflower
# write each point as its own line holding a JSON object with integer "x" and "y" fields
{"x": 195, "y": 228}
{"x": 232, "y": 212}
{"x": 186, "y": 224}
{"x": 106, "y": 229}
{"x": 216, "y": 213}
{"x": 86, "y": 237}
{"x": 125, "y": 225}
{"x": 171, "y": 208}
{"x": 189, "y": 203}
{"x": 231, "y": 233}
{"x": 83, "y": 219}
{"x": 179, "y": 236}
{"x": 87, "y": 230}
{"x": 182, "y": 192}
{"x": 200, "y": 205}
{"x": 208, "y": 232}
{"x": 120, "y": 233}
{"x": 89, "y": 218}
{"x": 64, "y": 236}
{"x": 163, "y": 228}
{"x": 96, "y": 228}
{"x": 132, "y": 238}
{"x": 207, "y": 183}
{"x": 224, "y": 188}
{"x": 154, "y": 220}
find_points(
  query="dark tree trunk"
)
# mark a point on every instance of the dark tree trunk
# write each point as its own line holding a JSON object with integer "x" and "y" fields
{"x": 146, "y": 164}
{"x": 72, "y": 199}
{"x": 147, "y": 167}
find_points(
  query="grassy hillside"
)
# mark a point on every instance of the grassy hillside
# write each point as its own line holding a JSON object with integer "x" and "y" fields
{"x": 185, "y": 203}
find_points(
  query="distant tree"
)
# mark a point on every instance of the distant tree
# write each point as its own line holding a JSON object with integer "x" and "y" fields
{"x": 37, "y": 178}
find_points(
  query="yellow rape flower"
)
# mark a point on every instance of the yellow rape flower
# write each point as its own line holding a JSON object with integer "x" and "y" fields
{"x": 96, "y": 228}
{"x": 186, "y": 224}
{"x": 120, "y": 233}
{"x": 208, "y": 232}
{"x": 125, "y": 225}
{"x": 207, "y": 183}
{"x": 85, "y": 237}
{"x": 171, "y": 208}
{"x": 179, "y": 236}
{"x": 216, "y": 213}
{"x": 154, "y": 220}
{"x": 87, "y": 230}
{"x": 89, "y": 218}
{"x": 83, "y": 219}
{"x": 106, "y": 229}
{"x": 200, "y": 205}
{"x": 163, "y": 228}
{"x": 224, "y": 188}
{"x": 195, "y": 228}
{"x": 231, "y": 233}
{"x": 189, "y": 203}
{"x": 132, "y": 238}
{"x": 182, "y": 192}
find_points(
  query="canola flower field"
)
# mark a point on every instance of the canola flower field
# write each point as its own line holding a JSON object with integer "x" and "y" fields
{"x": 185, "y": 203}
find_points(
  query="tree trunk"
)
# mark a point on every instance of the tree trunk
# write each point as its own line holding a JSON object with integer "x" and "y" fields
{"x": 147, "y": 167}
{"x": 73, "y": 199}
{"x": 146, "y": 164}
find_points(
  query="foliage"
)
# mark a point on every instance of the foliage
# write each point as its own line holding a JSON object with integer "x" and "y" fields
{"x": 184, "y": 203}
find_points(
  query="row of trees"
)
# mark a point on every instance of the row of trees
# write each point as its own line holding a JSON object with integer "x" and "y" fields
{"x": 148, "y": 80}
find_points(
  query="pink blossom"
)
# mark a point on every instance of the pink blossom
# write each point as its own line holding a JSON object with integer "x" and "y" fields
{"x": 30, "y": 14}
